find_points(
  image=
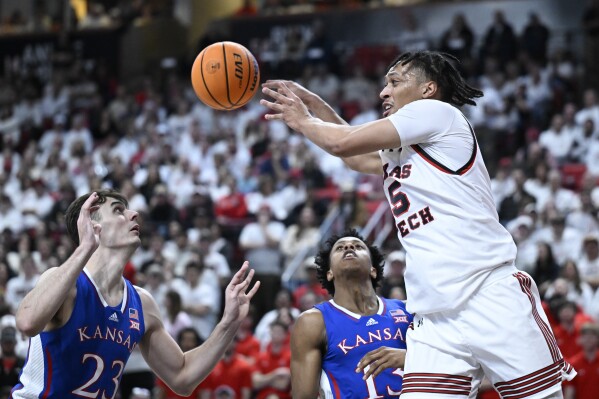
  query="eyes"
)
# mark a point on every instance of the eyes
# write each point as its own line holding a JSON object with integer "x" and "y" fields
{"x": 119, "y": 210}
{"x": 356, "y": 246}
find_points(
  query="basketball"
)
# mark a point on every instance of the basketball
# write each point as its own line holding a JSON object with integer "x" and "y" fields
{"x": 225, "y": 76}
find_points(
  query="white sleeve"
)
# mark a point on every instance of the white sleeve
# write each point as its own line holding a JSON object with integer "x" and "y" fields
{"x": 422, "y": 121}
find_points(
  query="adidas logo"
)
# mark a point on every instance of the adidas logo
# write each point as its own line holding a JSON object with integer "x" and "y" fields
{"x": 371, "y": 322}
{"x": 114, "y": 317}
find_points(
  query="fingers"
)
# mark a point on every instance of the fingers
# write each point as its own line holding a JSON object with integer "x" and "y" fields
{"x": 88, "y": 205}
{"x": 254, "y": 289}
{"x": 274, "y": 106}
{"x": 374, "y": 370}
{"x": 278, "y": 95}
{"x": 273, "y": 84}
{"x": 238, "y": 277}
{"x": 369, "y": 358}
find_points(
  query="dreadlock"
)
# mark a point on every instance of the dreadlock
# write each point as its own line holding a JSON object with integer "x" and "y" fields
{"x": 438, "y": 67}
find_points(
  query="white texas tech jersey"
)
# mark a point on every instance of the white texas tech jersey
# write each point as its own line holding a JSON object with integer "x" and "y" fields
{"x": 439, "y": 191}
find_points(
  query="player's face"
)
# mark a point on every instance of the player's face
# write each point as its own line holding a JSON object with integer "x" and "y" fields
{"x": 120, "y": 227}
{"x": 402, "y": 86}
{"x": 350, "y": 253}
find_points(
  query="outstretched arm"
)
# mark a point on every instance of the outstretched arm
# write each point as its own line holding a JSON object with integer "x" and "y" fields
{"x": 184, "y": 371}
{"x": 56, "y": 287}
{"x": 365, "y": 163}
{"x": 307, "y": 342}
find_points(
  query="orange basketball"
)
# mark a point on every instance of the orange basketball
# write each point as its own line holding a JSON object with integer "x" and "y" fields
{"x": 225, "y": 76}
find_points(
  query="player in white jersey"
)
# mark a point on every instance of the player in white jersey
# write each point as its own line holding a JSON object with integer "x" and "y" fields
{"x": 476, "y": 314}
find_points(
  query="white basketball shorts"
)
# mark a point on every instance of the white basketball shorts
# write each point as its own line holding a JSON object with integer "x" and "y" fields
{"x": 501, "y": 332}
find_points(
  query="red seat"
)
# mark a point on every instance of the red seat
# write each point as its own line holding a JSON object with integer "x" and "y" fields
{"x": 572, "y": 174}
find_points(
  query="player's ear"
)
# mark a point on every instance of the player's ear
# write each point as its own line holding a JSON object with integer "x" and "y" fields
{"x": 373, "y": 272}
{"x": 429, "y": 89}
{"x": 330, "y": 275}
{"x": 97, "y": 227}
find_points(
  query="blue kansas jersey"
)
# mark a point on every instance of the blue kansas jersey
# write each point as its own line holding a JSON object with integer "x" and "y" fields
{"x": 84, "y": 358}
{"x": 349, "y": 337}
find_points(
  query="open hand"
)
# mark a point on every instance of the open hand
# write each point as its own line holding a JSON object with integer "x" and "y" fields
{"x": 381, "y": 359}
{"x": 287, "y": 106}
{"x": 237, "y": 301}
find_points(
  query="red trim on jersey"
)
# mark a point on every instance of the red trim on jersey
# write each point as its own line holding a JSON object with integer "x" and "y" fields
{"x": 553, "y": 367}
{"x": 436, "y": 383}
{"x": 48, "y": 382}
{"x": 336, "y": 391}
{"x": 436, "y": 375}
{"x": 444, "y": 168}
{"x": 440, "y": 391}
{"x": 341, "y": 310}
{"x": 525, "y": 284}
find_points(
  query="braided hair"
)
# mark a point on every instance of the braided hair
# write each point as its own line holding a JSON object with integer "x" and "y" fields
{"x": 438, "y": 67}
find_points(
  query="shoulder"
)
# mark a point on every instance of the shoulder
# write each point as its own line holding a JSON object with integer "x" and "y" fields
{"x": 309, "y": 325}
{"x": 308, "y": 331}
{"x": 427, "y": 105}
{"x": 151, "y": 312}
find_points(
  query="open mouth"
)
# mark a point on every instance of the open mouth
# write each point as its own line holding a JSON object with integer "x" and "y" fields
{"x": 135, "y": 228}
{"x": 349, "y": 255}
{"x": 387, "y": 109}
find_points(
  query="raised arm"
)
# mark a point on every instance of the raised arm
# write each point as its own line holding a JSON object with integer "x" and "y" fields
{"x": 307, "y": 342}
{"x": 55, "y": 291}
{"x": 182, "y": 372}
{"x": 369, "y": 163}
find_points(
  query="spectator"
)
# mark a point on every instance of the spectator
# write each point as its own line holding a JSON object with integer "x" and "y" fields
{"x": 310, "y": 285}
{"x": 272, "y": 375}
{"x": 522, "y": 229}
{"x": 566, "y": 332}
{"x": 261, "y": 241}
{"x": 499, "y": 41}
{"x": 556, "y": 140}
{"x": 584, "y": 148}
{"x": 176, "y": 319}
{"x": 247, "y": 344}
{"x": 588, "y": 262}
{"x": 565, "y": 241}
{"x": 412, "y": 37}
{"x": 590, "y": 24}
{"x": 11, "y": 363}
{"x": 545, "y": 269}
{"x": 586, "y": 363}
{"x": 535, "y": 38}
{"x": 590, "y": 108}
{"x": 394, "y": 285}
{"x": 19, "y": 286}
{"x": 283, "y": 306}
{"x": 200, "y": 293}
{"x": 220, "y": 385}
{"x": 188, "y": 339}
{"x": 299, "y": 238}
{"x": 458, "y": 39}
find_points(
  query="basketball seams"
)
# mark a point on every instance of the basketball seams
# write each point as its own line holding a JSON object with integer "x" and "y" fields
{"x": 226, "y": 73}
{"x": 206, "y": 85}
{"x": 249, "y": 77}
{"x": 220, "y": 88}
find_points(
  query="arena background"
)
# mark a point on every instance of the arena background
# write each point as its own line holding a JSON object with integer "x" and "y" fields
{"x": 96, "y": 94}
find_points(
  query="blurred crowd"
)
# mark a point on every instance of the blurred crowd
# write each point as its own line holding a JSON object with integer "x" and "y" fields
{"x": 216, "y": 188}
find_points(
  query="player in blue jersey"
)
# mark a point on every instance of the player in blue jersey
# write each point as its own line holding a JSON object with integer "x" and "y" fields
{"x": 329, "y": 341}
{"x": 84, "y": 318}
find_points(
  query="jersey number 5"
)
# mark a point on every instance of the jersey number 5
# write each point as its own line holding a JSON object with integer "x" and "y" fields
{"x": 83, "y": 389}
{"x": 398, "y": 199}
{"x": 373, "y": 393}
